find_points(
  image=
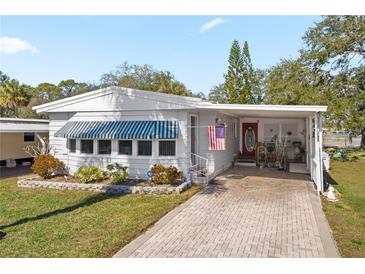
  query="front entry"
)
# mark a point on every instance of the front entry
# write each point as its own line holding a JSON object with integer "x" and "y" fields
{"x": 249, "y": 140}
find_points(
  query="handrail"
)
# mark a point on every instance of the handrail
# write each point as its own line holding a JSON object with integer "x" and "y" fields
{"x": 199, "y": 164}
{"x": 198, "y": 156}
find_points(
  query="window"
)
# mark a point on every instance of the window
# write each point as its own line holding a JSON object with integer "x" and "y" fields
{"x": 28, "y": 136}
{"x": 72, "y": 145}
{"x": 166, "y": 148}
{"x": 125, "y": 147}
{"x": 144, "y": 148}
{"x": 104, "y": 146}
{"x": 87, "y": 146}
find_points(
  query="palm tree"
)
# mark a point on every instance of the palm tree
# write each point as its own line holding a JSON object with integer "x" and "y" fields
{"x": 13, "y": 95}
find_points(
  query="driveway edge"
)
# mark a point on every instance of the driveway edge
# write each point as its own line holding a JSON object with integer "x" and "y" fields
{"x": 130, "y": 248}
{"x": 325, "y": 232}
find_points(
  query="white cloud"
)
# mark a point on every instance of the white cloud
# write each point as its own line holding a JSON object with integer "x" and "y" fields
{"x": 11, "y": 45}
{"x": 211, "y": 24}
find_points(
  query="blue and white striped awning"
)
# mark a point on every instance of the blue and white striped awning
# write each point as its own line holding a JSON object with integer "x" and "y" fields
{"x": 119, "y": 130}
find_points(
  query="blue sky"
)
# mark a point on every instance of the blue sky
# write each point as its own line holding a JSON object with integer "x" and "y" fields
{"x": 195, "y": 49}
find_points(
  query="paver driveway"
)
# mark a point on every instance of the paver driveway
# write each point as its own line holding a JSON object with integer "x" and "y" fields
{"x": 246, "y": 212}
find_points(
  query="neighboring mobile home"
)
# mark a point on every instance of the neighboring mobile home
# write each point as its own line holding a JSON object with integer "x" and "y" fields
{"x": 16, "y": 134}
{"x": 140, "y": 128}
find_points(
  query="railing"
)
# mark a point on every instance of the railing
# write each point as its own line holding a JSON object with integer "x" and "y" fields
{"x": 198, "y": 167}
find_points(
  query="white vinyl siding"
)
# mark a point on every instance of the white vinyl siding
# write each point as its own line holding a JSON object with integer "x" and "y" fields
{"x": 218, "y": 160}
{"x": 137, "y": 165}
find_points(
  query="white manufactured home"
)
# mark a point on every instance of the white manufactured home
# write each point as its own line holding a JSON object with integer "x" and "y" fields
{"x": 140, "y": 128}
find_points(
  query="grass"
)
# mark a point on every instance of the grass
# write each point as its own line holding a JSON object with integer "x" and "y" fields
{"x": 54, "y": 223}
{"x": 347, "y": 217}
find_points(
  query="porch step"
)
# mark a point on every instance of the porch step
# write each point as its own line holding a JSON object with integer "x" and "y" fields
{"x": 298, "y": 168}
{"x": 199, "y": 180}
{"x": 198, "y": 177}
{"x": 252, "y": 164}
{"x": 245, "y": 162}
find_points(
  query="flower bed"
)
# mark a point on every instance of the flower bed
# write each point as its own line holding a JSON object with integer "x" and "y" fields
{"x": 128, "y": 188}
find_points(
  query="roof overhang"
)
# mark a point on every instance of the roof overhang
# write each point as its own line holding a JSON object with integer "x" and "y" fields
{"x": 14, "y": 125}
{"x": 265, "y": 111}
{"x": 188, "y": 102}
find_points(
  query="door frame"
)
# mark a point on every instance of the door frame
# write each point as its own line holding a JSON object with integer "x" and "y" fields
{"x": 256, "y": 131}
{"x": 196, "y": 132}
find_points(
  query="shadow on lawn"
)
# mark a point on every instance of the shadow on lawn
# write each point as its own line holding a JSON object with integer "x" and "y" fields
{"x": 87, "y": 202}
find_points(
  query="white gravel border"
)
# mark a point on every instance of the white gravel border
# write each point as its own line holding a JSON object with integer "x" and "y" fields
{"x": 113, "y": 189}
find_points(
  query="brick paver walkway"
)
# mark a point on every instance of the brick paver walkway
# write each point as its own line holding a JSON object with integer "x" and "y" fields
{"x": 246, "y": 212}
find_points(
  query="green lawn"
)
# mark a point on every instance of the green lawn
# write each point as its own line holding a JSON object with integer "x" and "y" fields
{"x": 53, "y": 223}
{"x": 347, "y": 217}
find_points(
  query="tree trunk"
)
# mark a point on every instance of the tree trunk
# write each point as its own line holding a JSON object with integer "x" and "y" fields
{"x": 362, "y": 142}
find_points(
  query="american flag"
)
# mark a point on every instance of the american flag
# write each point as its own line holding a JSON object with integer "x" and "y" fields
{"x": 217, "y": 138}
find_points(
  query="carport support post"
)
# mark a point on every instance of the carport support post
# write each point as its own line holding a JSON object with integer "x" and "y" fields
{"x": 318, "y": 152}
{"x": 308, "y": 145}
{"x": 320, "y": 132}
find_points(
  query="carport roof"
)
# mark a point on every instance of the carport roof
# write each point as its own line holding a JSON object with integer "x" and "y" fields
{"x": 9, "y": 125}
{"x": 270, "y": 111}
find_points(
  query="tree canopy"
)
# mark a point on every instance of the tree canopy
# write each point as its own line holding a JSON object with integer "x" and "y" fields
{"x": 12, "y": 96}
{"x": 144, "y": 78}
{"x": 233, "y": 84}
{"x": 291, "y": 83}
{"x": 337, "y": 41}
{"x": 241, "y": 80}
{"x": 335, "y": 50}
{"x": 17, "y": 100}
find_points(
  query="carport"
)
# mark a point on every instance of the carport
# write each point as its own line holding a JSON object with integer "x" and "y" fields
{"x": 304, "y": 123}
{"x": 15, "y": 135}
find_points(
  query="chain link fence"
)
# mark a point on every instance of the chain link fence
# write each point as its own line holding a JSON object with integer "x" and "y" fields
{"x": 345, "y": 140}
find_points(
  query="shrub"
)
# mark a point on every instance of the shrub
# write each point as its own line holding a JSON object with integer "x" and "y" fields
{"x": 117, "y": 173}
{"x": 90, "y": 174}
{"x": 40, "y": 148}
{"x": 330, "y": 151}
{"x": 340, "y": 155}
{"x": 165, "y": 175}
{"x": 45, "y": 165}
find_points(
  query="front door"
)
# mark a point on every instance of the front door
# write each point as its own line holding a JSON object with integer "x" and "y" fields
{"x": 249, "y": 140}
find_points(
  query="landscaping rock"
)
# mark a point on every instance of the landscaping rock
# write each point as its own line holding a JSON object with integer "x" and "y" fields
{"x": 112, "y": 189}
